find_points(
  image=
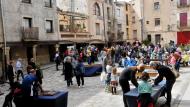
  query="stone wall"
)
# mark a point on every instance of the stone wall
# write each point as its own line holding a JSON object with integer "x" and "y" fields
{"x": 42, "y": 53}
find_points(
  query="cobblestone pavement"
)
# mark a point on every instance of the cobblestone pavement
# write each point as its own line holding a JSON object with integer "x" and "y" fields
{"x": 92, "y": 95}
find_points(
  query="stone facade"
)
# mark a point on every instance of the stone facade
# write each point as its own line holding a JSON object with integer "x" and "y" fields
{"x": 164, "y": 29}
{"x": 30, "y": 24}
{"x": 156, "y": 19}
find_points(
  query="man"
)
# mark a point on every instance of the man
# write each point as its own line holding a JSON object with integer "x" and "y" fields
{"x": 26, "y": 86}
{"x": 19, "y": 67}
{"x": 126, "y": 75}
{"x": 57, "y": 60}
{"x": 166, "y": 72}
{"x": 10, "y": 74}
{"x": 32, "y": 63}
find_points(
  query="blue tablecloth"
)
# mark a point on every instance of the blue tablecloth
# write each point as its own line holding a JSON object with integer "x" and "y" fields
{"x": 131, "y": 96}
{"x": 92, "y": 70}
{"x": 57, "y": 100}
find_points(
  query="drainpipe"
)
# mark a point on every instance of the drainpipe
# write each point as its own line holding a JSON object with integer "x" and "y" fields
{"x": 4, "y": 42}
{"x": 142, "y": 20}
{"x": 105, "y": 38}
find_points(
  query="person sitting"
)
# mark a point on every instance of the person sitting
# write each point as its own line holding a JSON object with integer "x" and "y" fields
{"x": 145, "y": 90}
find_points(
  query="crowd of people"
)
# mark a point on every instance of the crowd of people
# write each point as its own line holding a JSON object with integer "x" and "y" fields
{"x": 133, "y": 58}
{"x": 20, "y": 90}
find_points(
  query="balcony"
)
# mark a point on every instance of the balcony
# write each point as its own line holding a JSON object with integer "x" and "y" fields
{"x": 120, "y": 35}
{"x": 181, "y": 4}
{"x": 184, "y": 27}
{"x": 30, "y": 34}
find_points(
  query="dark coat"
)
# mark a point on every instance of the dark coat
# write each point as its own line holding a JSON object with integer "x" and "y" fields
{"x": 10, "y": 72}
{"x": 68, "y": 71}
{"x": 32, "y": 64}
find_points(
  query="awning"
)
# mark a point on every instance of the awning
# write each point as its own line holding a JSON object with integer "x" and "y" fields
{"x": 183, "y": 37}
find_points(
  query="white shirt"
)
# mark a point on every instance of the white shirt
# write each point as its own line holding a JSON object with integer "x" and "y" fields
{"x": 114, "y": 77}
{"x": 109, "y": 69}
{"x": 18, "y": 65}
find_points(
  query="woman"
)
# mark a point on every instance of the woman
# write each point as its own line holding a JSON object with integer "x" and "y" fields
{"x": 68, "y": 71}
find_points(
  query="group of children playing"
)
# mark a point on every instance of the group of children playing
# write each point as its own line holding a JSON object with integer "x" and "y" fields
{"x": 144, "y": 87}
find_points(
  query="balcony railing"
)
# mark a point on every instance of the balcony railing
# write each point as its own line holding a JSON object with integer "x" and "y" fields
{"x": 26, "y": 1}
{"x": 73, "y": 30}
{"x": 30, "y": 34}
{"x": 181, "y": 4}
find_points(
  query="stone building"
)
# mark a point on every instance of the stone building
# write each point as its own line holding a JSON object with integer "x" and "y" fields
{"x": 135, "y": 20}
{"x": 120, "y": 22}
{"x": 183, "y": 21}
{"x": 31, "y": 29}
{"x": 157, "y": 20}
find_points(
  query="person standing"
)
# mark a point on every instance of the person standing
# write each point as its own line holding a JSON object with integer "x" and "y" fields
{"x": 57, "y": 60}
{"x": 19, "y": 68}
{"x": 32, "y": 63}
{"x": 10, "y": 74}
{"x": 166, "y": 72}
{"x": 126, "y": 75}
{"x": 26, "y": 86}
{"x": 114, "y": 81}
{"x": 79, "y": 72}
{"x": 68, "y": 71}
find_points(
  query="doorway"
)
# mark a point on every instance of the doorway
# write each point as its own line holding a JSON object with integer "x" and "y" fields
{"x": 29, "y": 53}
{"x": 157, "y": 39}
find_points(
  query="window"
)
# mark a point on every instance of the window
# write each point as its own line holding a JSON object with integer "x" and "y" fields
{"x": 110, "y": 1}
{"x": 48, "y": 3}
{"x": 109, "y": 26}
{"x": 157, "y": 21}
{"x": 135, "y": 34}
{"x": 157, "y": 38}
{"x": 108, "y": 12}
{"x": 97, "y": 29}
{"x": 96, "y": 9}
{"x": 49, "y": 26}
{"x": 127, "y": 21}
{"x": 133, "y": 19}
{"x": 61, "y": 27}
{"x": 183, "y": 2}
{"x": 27, "y": 22}
{"x": 126, "y": 6}
{"x": 26, "y": 1}
{"x": 118, "y": 12}
{"x": 147, "y": 22}
{"x": 183, "y": 19}
{"x": 119, "y": 26}
{"x": 127, "y": 31}
{"x": 156, "y": 5}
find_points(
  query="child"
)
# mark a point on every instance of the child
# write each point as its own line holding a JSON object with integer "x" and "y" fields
{"x": 145, "y": 90}
{"x": 108, "y": 75}
{"x": 114, "y": 81}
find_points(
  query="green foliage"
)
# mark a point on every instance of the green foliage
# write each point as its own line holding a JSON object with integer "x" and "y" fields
{"x": 146, "y": 42}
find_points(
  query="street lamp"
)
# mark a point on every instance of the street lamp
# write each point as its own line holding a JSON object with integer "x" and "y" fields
{"x": 4, "y": 62}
